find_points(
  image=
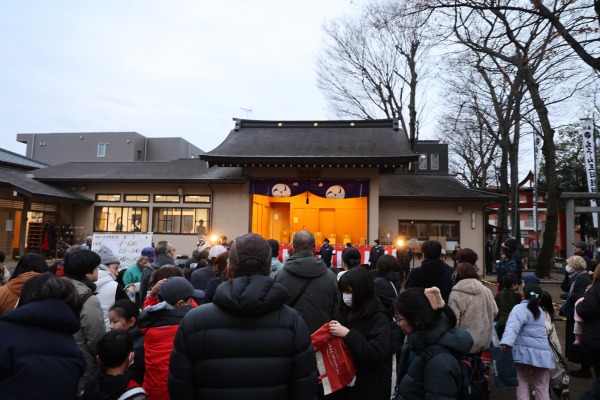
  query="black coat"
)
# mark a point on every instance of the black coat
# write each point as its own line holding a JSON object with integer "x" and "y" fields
{"x": 246, "y": 344}
{"x": 39, "y": 358}
{"x": 369, "y": 341}
{"x": 589, "y": 310}
{"x": 431, "y": 273}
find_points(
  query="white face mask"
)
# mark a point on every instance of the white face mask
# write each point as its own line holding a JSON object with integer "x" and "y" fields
{"x": 569, "y": 269}
{"x": 347, "y": 297}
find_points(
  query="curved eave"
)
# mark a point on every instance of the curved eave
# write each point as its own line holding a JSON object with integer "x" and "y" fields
{"x": 308, "y": 162}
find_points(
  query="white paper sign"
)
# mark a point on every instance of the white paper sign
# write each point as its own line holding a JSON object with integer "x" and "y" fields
{"x": 127, "y": 246}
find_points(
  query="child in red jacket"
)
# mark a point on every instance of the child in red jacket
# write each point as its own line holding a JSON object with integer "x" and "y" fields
{"x": 159, "y": 324}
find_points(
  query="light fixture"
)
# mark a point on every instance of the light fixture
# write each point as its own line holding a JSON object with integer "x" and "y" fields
{"x": 472, "y": 220}
{"x": 459, "y": 210}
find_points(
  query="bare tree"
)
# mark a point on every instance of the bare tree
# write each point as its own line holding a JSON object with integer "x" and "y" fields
{"x": 577, "y": 22}
{"x": 371, "y": 66}
{"x": 469, "y": 125}
{"x": 526, "y": 47}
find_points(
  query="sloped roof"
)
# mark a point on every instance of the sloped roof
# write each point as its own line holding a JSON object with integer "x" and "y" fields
{"x": 24, "y": 184}
{"x": 8, "y": 158}
{"x": 431, "y": 187}
{"x": 373, "y": 143}
{"x": 185, "y": 169}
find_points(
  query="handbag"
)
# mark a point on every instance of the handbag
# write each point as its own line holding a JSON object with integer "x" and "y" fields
{"x": 503, "y": 368}
{"x": 567, "y": 307}
{"x": 334, "y": 360}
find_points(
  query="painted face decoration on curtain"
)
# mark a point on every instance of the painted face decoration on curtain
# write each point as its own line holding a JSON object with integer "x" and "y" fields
{"x": 328, "y": 188}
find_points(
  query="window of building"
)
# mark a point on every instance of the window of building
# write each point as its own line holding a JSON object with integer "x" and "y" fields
{"x": 101, "y": 149}
{"x": 423, "y": 230}
{"x": 121, "y": 219}
{"x": 423, "y": 161}
{"x": 530, "y": 222}
{"x": 108, "y": 197}
{"x": 166, "y": 198}
{"x": 139, "y": 155}
{"x": 522, "y": 198}
{"x": 179, "y": 220}
{"x": 196, "y": 198}
{"x": 137, "y": 198}
{"x": 434, "y": 160}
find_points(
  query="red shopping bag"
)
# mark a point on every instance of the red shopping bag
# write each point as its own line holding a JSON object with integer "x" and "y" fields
{"x": 334, "y": 361}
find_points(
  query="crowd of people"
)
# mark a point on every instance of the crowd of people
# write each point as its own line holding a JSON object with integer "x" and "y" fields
{"x": 235, "y": 321}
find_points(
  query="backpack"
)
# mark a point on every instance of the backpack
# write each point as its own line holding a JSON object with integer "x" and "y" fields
{"x": 473, "y": 373}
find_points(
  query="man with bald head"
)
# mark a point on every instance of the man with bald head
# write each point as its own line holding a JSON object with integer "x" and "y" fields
{"x": 312, "y": 286}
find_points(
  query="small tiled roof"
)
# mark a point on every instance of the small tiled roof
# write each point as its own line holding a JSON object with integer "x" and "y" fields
{"x": 24, "y": 184}
{"x": 10, "y": 159}
{"x": 185, "y": 169}
{"x": 361, "y": 143}
{"x": 431, "y": 187}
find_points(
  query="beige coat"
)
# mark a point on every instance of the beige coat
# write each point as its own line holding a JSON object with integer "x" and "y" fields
{"x": 475, "y": 310}
{"x": 92, "y": 329}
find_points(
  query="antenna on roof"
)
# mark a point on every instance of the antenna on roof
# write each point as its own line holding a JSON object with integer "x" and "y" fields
{"x": 248, "y": 111}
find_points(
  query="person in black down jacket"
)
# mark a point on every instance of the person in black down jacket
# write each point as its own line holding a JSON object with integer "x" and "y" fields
{"x": 429, "y": 325}
{"x": 365, "y": 327}
{"x": 39, "y": 358}
{"x": 589, "y": 310}
{"x": 246, "y": 344}
{"x": 432, "y": 272}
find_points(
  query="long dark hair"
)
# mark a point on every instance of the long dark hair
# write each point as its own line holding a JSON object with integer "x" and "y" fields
{"x": 413, "y": 305}
{"x": 360, "y": 281}
{"x": 546, "y": 304}
{"x": 30, "y": 262}
{"x": 533, "y": 293}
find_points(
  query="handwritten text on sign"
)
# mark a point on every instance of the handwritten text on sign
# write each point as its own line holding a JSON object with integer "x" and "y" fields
{"x": 127, "y": 246}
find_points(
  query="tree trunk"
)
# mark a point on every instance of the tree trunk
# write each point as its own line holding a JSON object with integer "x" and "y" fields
{"x": 546, "y": 256}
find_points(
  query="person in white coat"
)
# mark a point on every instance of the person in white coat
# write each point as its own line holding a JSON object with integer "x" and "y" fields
{"x": 474, "y": 306}
{"x": 108, "y": 290}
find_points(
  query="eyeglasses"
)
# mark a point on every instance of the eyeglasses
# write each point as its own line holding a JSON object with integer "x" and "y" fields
{"x": 398, "y": 320}
{"x": 172, "y": 250}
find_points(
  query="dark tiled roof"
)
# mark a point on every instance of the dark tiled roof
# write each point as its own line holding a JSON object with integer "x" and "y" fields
{"x": 430, "y": 187}
{"x": 11, "y": 159}
{"x": 374, "y": 143}
{"x": 24, "y": 184}
{"x": 185, "y": 169}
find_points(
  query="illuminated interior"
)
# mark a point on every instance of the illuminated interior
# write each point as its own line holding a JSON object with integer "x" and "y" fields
{"x": 340, "y": 220}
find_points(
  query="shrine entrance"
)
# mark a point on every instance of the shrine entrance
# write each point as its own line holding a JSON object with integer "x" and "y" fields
{"x": 331, "y": 209}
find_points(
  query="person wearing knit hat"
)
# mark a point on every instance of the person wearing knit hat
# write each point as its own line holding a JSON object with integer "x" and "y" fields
{"x": 250, "y": 299}
{"x": 108, "y": 290}
{"x": 108, "y": 258}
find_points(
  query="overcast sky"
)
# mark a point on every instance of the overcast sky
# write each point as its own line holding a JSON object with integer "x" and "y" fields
{"x": 161, "y": 68}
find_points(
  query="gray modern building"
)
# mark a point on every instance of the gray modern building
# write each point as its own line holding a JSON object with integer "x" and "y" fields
{"x": 58, "y": 148}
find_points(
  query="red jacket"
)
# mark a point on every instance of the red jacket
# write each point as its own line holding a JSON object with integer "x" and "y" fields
{"x": 159, "y": 325}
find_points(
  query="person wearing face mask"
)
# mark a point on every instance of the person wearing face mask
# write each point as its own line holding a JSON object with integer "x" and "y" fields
{"x": 364, "y": 325}
{"x": 574, "y": 285}
{"x": 108, "y": 290}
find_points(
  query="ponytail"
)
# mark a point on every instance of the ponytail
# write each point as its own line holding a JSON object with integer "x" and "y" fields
{"x": 533, "y": 293}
